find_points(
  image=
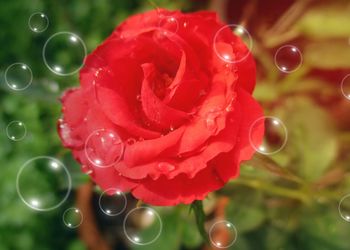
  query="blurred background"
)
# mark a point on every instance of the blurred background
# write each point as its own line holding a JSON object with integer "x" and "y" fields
{"x": 291, "y": 196}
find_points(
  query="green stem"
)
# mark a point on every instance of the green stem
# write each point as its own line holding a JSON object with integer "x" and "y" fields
{"x": 273, "y": 189}
{"x": 197, "y": 207}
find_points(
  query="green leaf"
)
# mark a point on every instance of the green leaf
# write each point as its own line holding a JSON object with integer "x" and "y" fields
{"x": 265, "y": 92}
{"x": 328, "y": 54}
{"x": 190, "y": 236}
{"x": 170, "y": 235}
{"x": 312, "y": 143}
{"x": 246, "y": 212}
{"x": 326, "y": 21}
{"x": 322, "y": 229}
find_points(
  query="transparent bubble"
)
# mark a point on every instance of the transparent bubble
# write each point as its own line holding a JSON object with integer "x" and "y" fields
{"x": 344, "y": 208}
{"x": 275, "y": 135}
{"x": 16, "y": 130}
{"x": 169, "y": 24}
{"x": 38, "y": 22}
{"x": 224, "y": 44}
{"x": 223, "y": 234}
{"x": 345, "y": 86}
{"x": 18, "y": 76}
{"x": 64, "y": 53}
{"x": 73, "y": 217}
{"x": 288, "y": 58}
{"x": 142, "y": 225}
{"x": 43, "y": 183}
{"x": 112, "y": 202}
{"x": 104, "y": 148}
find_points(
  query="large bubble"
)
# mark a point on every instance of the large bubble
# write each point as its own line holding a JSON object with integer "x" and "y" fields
{"x": 43, "y": 183}
{"x": 64, "y": 53}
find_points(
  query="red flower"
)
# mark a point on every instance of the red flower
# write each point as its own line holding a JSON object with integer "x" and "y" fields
{"x": 159, "y": 113}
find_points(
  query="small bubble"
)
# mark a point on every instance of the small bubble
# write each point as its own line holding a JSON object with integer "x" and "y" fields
{"x": 275, "y": 135}
{"x": 64, "y": 53}
{"x": 344, "y": 208}
{"x": 18, "y": 76}
{"x": 223, "y": 234}
{"x": 112, "y": 202}
{"x": 288, "y": 58}
{"x": 73, "y": 217}
{"x": 345, "y": 86}
{"x": 104, "y": 148}
{"x": 140, "y": 219}
{"x": 38, "y": 22}
{"x": 16, "y": 131}
{"x": 225, "y": 43}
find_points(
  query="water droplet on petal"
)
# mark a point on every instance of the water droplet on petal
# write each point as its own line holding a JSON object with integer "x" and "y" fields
{"x": 165, "y": 167}
{"x": 229, "y": 107}
{"x": 131, "y": 141}
{"x": 210, "y": 120}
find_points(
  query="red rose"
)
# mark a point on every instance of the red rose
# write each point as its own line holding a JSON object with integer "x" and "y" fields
{"x": 158, "y": 113}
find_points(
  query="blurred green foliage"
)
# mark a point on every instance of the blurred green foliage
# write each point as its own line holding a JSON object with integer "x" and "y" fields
{"x": 287, "y": 201}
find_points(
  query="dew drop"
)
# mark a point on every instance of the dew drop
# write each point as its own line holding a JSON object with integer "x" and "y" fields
{"x": 165, "y": 167}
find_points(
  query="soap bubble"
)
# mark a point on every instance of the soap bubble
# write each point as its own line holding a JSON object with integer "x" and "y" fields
{"x": 43, "y": 183}
{"x": 225, "y": 44}
{"x": 140, "y": 219}
{"x": 223, "y": 234}
{"x": 64, "y": 53}
{"x": 38, "y": 22}
{"x": 288, "y": 58}
{"x": 275, "y": 135}
{"x": 104, "y": 148}
{"x": 18, "y": 76}
{"x": 345, "y": 86}
{"x": 72, "y": 217}
{"x": 112, "y": 202}
{"x": 344, "y": 208}
{"x": 16, "y": 130}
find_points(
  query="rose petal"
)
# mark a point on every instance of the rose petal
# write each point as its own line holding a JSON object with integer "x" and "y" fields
{"x": 117, "y": 110}
{"x": 164, "y": 192}
{"x": 227, "y": 164}
{"x": 189, "y": 165}
{"x": 157, "y": 111}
